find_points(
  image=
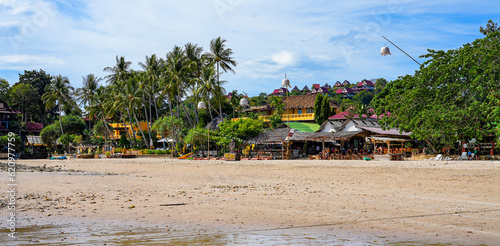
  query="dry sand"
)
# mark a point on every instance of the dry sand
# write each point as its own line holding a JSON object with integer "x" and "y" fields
{"x": 456, "y": 202}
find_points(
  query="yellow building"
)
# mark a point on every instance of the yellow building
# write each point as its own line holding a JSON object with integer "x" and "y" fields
{"x": 120, "y": 128}
{"x": 297, "y": 108}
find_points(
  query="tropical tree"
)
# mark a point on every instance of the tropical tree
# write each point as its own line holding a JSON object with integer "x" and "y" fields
{"x": 58, "y": 92}
{"x": 119, "y": 72}
{"x": 491, "y": 27}
{"x": 4, "y": 89}
{"x": 278, "y": 105}
{"x": 38, "y": 80}
{"x": 98, "y": 108}
{"x": 221, "y": 57}
{"x": 208, "y": 86}
{"x": 450, "y": 95}
{"x": 24, "y": 97}
{"x": 86, "y": 94}
{"x": 325, "y": 110}
{"x": 317, "y": 108}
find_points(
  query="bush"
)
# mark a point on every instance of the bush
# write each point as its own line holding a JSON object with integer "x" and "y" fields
{"x": 123, "y": 141}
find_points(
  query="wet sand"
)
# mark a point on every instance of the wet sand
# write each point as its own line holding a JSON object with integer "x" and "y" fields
{"x": 455, "y": 202}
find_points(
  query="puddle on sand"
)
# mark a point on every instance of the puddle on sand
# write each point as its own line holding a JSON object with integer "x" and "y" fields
{"x": 113, "y": 235}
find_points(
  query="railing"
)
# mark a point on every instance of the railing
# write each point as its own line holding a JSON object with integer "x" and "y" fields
{"x": 285, "y": 117}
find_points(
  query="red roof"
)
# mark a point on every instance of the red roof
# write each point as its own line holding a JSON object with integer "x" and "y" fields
{"x": 34, "y": 127}
{"x": 316, "y": 86}
{"x": 339, "y": 91}
{"x": 276, "y": 91}
{"x": 367, "y": 83}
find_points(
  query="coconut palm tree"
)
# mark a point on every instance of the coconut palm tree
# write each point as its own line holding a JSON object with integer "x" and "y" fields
{"x": 221, "y": 57}
{"x": 98, "y": 108}
{"x": 119, "y": 72}
{"x": 87, "y": 92}
{"x": 132, "y": 95}
{"x": 177, "y": 72}
{"x": 58, "y": 92}
{"x": 208, "y": 85}
{"x": 194, "y": 57}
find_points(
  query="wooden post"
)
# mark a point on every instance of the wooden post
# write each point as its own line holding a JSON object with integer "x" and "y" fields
{"x": 323, "y": 143}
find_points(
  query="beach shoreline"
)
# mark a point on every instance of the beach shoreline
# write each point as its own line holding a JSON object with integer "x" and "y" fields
{"x": 428, "y": 201}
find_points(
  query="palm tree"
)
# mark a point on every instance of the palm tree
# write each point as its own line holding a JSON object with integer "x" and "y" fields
{"x": 221, "y": 56}
{"x": 153, "y": 68}
{"x": 119, "y": 72}
{"x": 235, "y": 100}
{"x": 208, "y": 85}
{"x": 98, "y": 108}
{"x": 59, "y": 92}
{"x": 194, "y": 57}
{"x": 132, "y": 94}
{"x": 177, "y": 72}
{"x": 87, "y": 92}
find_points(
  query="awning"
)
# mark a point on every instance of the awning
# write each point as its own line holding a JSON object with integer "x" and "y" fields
{"x": 385, "y": 139}
{"x": 394, "y": 132}
{"x": 320, "y": 136}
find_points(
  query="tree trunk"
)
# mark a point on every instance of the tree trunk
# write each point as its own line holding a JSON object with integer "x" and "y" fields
{"x": 128, "y": 134}
{"x": 107, "y": 128}
{"x": 140, "y": 128}
{"x": 218, "y": 83}
{"x": 430, "y": 144}
{"x": 187, "y": 115}
{"x": 131, "y": 126}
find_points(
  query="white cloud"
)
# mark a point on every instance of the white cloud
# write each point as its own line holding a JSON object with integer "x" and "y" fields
{"x": 316, "y": 41}
{"x": 21, "y": 62}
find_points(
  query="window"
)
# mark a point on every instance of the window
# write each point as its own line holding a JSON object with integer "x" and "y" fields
{"x": 299, "y": 111}
{"x": 310, "y": 110}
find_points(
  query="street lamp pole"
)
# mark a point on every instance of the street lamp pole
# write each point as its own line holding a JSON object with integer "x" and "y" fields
{"x": 201, "y": 105}
{"x": 286, "y": 83}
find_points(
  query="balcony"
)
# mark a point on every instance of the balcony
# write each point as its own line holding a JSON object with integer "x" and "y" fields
{"x": 286, "y": 117}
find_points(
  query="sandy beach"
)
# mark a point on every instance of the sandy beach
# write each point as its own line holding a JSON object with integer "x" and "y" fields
{"x": 297, "y": 201}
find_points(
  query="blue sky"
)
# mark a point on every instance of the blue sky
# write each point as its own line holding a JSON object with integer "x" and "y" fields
{"x": 311, "y": 41}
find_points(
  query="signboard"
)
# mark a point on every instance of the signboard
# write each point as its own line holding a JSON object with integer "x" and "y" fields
{"x": 232, "y": 156}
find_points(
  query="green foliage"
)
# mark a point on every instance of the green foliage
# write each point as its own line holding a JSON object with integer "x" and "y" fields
{"x": 97, "y": 141}
{"x": 491, "y": 27}
{"x": 275, "y": 120}
{"x": 73, "y": 125}
{"x": 325, "y": 111}
{"x": 15, "y": 141}
{"x": 68, "y": 139}
{"x": 364, "y": 97}
{"x": 165, "y": 125}
{"x": 100, "y": 129}
{"x": 317, "y": 108}
{"x": 157, "y": 152}
{"x": 449, "y": 96}
{"x": 38, "y": 80}
{"x": 4, "y": 89}
{"x": 380, "y": 84}
{"x": 196, "y": 136}
{"x": 241, "y": 129}
{"x": 124, "y": 142}
{"x": 50, "y": 134}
